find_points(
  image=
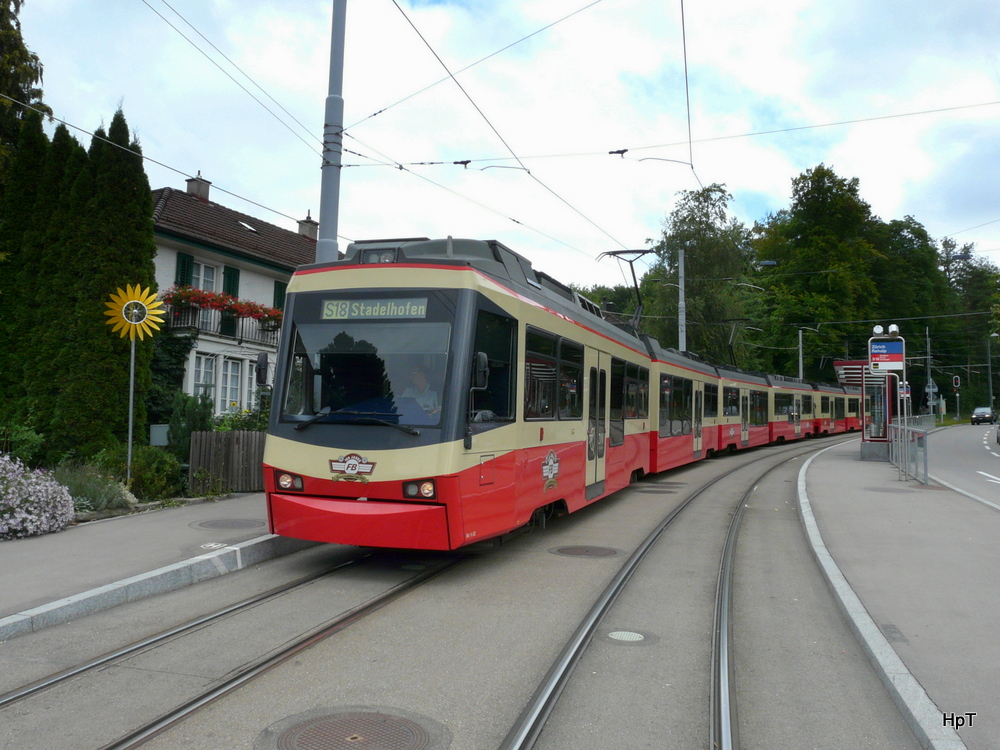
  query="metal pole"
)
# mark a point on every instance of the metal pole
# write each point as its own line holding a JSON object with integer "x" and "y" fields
{"x": 989, "y": 371}
{"x": 131, "y": 403}
{"x": 681, "y": 305}
{"x": 800, "y": 354}
{"x": 333, "y": 142}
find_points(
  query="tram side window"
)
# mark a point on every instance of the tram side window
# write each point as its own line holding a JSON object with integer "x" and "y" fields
{"x": 616, "y": 412}
{"x": 496, "y": 335}
{"x": 784, "y": 404}
{"x": 758, "y": 408}
{"x": 680, "y": 407}
{"x": 643, "y": 405}
{"x": 711, "y": 406}
{"x": 838, "y": 407}
{"x": 570, "y": 380}
{"x": 731, "y": 402}
{"x": 666, "y": 389}
{"x": 852, "y": 407}
{"x": 540, "y": 367}
{"x": 824, "y": 404}
{"x": 636, "y": 391}
{"x": 807, "y": 406}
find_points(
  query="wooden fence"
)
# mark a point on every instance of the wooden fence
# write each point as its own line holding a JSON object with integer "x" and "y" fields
{"x": 223, "y": 462}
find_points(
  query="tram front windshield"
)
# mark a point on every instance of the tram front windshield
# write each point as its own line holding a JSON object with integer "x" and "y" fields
{"x": 369, "y": 359}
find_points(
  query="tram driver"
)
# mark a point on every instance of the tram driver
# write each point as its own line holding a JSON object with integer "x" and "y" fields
{"x": 420, "y": 390}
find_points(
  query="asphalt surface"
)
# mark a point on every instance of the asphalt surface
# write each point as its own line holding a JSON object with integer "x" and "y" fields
{"x": 919, "y": 561}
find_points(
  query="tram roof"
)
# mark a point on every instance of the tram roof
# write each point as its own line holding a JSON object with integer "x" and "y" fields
{"x": 496, "y": 260}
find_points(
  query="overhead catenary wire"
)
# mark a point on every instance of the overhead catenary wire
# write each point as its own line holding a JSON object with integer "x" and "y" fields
{"x": 477, "y": 62}
{"x": 496, "y": 132}
{"x": 390, "y": 162}
{"x": 501, "y": 138}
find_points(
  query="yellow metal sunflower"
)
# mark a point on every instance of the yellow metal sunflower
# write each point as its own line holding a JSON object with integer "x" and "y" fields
{"x": 135, "y": 310}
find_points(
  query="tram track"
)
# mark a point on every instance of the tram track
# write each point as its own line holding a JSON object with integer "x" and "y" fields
{"x": 39, "y": 696}
{"x": 26, "y": 691}
{"x": 723, "y": 730}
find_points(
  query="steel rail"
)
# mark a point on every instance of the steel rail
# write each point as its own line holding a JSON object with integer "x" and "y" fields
{"x": 724, "y": 728}
{"x": 531, "y": 721}
{"x": 139, "y": 736}
{"x": 52, "y": 681}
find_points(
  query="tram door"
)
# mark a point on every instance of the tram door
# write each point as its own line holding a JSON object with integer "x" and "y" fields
{"x": 597, "y": 420}
{"x": 699, "y": 407}
{"x": 744, "y": 416}
{"x": 798, "y": 416}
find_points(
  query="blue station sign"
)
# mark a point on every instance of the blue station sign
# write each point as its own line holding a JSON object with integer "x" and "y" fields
{"x": 886, "y": 355}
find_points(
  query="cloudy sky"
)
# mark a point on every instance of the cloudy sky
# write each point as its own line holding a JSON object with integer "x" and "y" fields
{"x": 775, "y": 88}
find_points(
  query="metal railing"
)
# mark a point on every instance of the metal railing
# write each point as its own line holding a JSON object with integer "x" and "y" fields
{"x": 182, "y": 318}
{"x": 909, "y": 447}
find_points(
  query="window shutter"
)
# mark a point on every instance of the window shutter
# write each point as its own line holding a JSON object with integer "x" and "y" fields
{"x": 231, "y": 281}
{"x": 185, "y": 269}
{"x": 279, "y": 295}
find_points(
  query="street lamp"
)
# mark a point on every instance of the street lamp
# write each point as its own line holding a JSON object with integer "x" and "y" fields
{"x": 989, "y": 366}
{"x": 801, "y": 329}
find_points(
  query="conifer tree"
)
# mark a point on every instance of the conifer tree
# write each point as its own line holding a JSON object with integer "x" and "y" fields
{"x": 55, "y": 280}
{"x": 20, "y": 74}
{"x": 18, "y": 210}
{"x": 114, "y": 247}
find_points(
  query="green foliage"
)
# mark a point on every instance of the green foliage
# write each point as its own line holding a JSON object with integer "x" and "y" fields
{"x": 717, "y": 260}
{"x": 91, "y": 489}
{"x": 20, "y": 77}
{"x": 168, "y": 365}
{"x": 156, "y": 473}
{"x": 189, "y": 414}
{"x": 255, "y": 421}
{"x": 21, "y": 442}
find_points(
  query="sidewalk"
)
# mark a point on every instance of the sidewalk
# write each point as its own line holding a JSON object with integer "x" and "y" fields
{"x": 100, "y": 564}
{"x": 914, "y": 569}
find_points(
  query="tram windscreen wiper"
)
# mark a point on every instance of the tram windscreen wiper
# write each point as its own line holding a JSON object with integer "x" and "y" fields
{"x": 372, "y": 417}
{"x": 368, "y": 417}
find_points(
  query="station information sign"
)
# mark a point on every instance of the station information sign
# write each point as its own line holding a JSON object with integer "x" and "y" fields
{"x": 886, "y": 354}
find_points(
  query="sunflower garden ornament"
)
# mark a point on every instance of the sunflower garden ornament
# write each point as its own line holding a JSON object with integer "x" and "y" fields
{"x": 135, "y": 310}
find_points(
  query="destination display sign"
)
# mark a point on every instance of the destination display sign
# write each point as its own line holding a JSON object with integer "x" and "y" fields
{"x": 374, "y": 309}
{"x": 886, "y": 355}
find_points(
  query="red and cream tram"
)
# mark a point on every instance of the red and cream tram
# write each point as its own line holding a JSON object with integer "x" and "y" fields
{"x": 434, "y": 393}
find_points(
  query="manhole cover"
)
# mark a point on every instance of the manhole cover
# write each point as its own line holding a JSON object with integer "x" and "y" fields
{"x": 230, "y": 523}
{"x": 357, "y": 731}
{"x": 583, "y": 550}
{"x": 355, "y": 728}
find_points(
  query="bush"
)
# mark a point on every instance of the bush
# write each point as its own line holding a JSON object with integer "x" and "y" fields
{"x": 255, "y": 421}
{"x": 91, "y": 489}
{"x": 156, "y": 473}
{"x": 21, "y": 442}
{"x": 31, "y": 502}
{"x": 190, "y": 414}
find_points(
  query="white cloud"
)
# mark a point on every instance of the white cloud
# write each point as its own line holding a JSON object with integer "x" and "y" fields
{"x": 610, "y": 77}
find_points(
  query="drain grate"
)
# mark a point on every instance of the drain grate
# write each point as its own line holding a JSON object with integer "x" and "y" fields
{"x": 626, "y": 635}
{"x": 584, "y": 550}
{"x": 231, "y": 523}
{"x": 355, "y": 731}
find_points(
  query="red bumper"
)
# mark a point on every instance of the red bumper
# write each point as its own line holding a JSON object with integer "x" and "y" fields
{"x": 361, "y": 523}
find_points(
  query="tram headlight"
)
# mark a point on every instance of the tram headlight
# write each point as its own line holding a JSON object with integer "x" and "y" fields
{"x": 287, "y": 481}
{"x": 424, "y": 488}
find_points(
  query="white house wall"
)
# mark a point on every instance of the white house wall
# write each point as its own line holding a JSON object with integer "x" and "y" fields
{"x": 256, "y": 285}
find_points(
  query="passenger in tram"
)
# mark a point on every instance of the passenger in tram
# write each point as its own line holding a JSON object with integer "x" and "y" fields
{"x": 420, "y": 390}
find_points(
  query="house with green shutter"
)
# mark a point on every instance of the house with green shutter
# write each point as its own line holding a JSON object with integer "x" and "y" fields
{"x": 206, "y": 246}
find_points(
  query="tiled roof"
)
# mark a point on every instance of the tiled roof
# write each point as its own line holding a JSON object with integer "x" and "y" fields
{"x": 179, "y": 213}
